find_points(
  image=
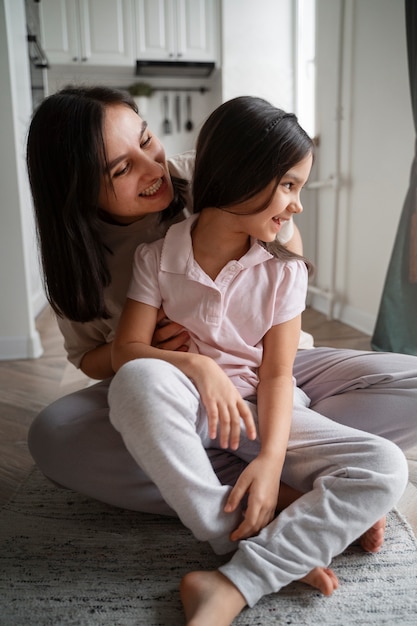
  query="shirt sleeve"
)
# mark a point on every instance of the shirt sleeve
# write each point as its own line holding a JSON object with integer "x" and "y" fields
{"x": 82, "y": 337}
{"x": 182, "y": 165}
{"x": 291, "y": 291}
{"x": 144, "y": 286}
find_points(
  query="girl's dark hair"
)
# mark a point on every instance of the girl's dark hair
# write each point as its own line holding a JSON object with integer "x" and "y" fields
{"x": 66, "y": 159}
{"x": 244, "y": 145}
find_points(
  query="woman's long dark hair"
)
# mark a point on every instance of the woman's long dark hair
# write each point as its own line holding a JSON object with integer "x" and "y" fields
{"x": 66, "y": 159}
{"x": 243, "y": 146}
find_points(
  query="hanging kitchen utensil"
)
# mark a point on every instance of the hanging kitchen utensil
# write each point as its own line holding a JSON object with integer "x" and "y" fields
{"x": 178, "y": 112}
{"x": 166, "y": 124}
{"x": 189, "y": 124}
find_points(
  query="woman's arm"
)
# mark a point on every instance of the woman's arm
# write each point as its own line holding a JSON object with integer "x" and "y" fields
{"x": 97, "y": 362}
{"x": 295, "y": 244}
{"x": 275, "y": 403}
{"x": 222, "y": 401}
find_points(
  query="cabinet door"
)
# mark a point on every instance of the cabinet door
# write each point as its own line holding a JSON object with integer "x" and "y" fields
{"x": 196, "y": 22}
{"x": 176, "y": 30}
{"x": 93, "y": 32}
{"x": 106, "y": 32}
{"x": 59, "y": 30}
{"x": 155, "y": 30}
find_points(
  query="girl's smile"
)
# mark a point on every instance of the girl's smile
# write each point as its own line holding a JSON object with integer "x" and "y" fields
{"x": 285, "y": 202}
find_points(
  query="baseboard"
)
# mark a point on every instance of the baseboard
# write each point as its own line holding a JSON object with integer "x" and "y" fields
{"x": 23, "y": 347}
{"x": 364, "y": 322}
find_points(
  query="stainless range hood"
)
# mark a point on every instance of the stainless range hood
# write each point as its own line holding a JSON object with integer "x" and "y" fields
{"x": 192, "y": 69}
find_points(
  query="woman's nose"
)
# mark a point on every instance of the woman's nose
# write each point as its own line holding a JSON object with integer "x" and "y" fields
{"x": 150, "y": 167}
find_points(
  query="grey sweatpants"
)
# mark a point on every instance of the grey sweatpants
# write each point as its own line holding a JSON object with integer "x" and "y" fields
{"x": 74, "y": 444}
{"x": 350, "y": 478}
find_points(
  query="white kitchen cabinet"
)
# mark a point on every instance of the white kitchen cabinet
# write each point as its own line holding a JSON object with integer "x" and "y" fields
{"x": 90, "y": 32}
{"x": 177, "y": 30}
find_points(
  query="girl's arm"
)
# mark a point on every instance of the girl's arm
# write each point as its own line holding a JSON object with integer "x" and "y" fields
{"x": 261, "y": 478}
{"x": 222, "y": 401}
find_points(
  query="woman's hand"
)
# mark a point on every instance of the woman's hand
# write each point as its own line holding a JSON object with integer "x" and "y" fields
{"x": 224, "y": 405}
{"x": 169, "y": 335}
{"x": 261, "y": 481}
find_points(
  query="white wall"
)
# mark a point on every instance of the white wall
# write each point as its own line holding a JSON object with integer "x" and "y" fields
{"x": 258, "y": 50}
{"x": 377, "y": 142}
{"x": 20, "y": 287}
{"x": 376, "y": 130}
{"x": 201, "y": 103}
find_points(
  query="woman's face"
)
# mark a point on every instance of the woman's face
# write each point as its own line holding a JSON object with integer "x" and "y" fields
{"x": 138, "y": 181}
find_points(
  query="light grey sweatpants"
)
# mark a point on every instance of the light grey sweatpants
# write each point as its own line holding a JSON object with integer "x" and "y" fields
{"x": 350, "y": 478}
{"x": 73, "y": 442}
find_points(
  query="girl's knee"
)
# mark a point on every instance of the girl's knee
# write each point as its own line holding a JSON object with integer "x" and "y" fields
{"x": 137, "y": 378}
{"x": 144, "y": 388}
{"x": 391, "y": 466}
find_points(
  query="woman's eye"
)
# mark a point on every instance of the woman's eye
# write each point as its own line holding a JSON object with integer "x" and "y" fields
{"x": 288, "y": 185}
{"x": 146, "y": 141}
{"x": 121, "y": 171}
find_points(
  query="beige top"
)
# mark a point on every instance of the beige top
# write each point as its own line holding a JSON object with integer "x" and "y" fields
{"x": 81, "y": 337}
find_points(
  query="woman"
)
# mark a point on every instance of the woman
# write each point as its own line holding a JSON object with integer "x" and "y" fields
{"x": 101, "y": 186}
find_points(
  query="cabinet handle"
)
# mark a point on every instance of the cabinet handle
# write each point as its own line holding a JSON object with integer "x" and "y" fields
{"x": 75, "y": 59}
{"x": 84, "y": 59}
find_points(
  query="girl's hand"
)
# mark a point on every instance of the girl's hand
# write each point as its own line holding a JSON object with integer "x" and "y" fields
{"x": 261, "y": 481}
{"x": 169, "y": 335}
{"x": 224, "y": 405}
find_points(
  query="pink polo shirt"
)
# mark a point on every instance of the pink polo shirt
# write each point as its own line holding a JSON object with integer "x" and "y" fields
{"x": 228, "y": 317}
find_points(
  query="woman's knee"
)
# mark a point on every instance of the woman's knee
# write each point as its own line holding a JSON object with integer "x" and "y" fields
{"x": 58, "y": 428}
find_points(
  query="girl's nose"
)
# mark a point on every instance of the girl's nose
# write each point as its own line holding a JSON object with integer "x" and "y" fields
{"x": 296, "y": 207}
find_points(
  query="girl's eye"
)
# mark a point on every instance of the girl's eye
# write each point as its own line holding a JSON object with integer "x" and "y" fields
{"x": 288, "y": 185}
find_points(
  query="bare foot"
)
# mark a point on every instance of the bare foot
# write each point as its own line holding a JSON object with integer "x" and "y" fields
{"x": 210, "y": 599}
{"x": 372, "y": 540}
{"x": 323, "y": 579}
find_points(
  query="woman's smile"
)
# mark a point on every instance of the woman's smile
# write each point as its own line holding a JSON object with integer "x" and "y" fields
{"x": 138, "y": 181}
{"x": 151, "y": 191}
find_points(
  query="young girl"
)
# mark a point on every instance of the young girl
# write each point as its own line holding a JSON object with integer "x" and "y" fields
{"x": 201, "y": 274}
{"x": 222, "y": 276}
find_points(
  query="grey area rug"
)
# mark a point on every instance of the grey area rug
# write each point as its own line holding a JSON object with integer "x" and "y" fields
{"x": 67, "y": 559}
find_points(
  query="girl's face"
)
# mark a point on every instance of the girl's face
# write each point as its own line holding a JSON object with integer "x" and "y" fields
{"x": 138, "y": 181}
{"x": 285, "y": 202}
